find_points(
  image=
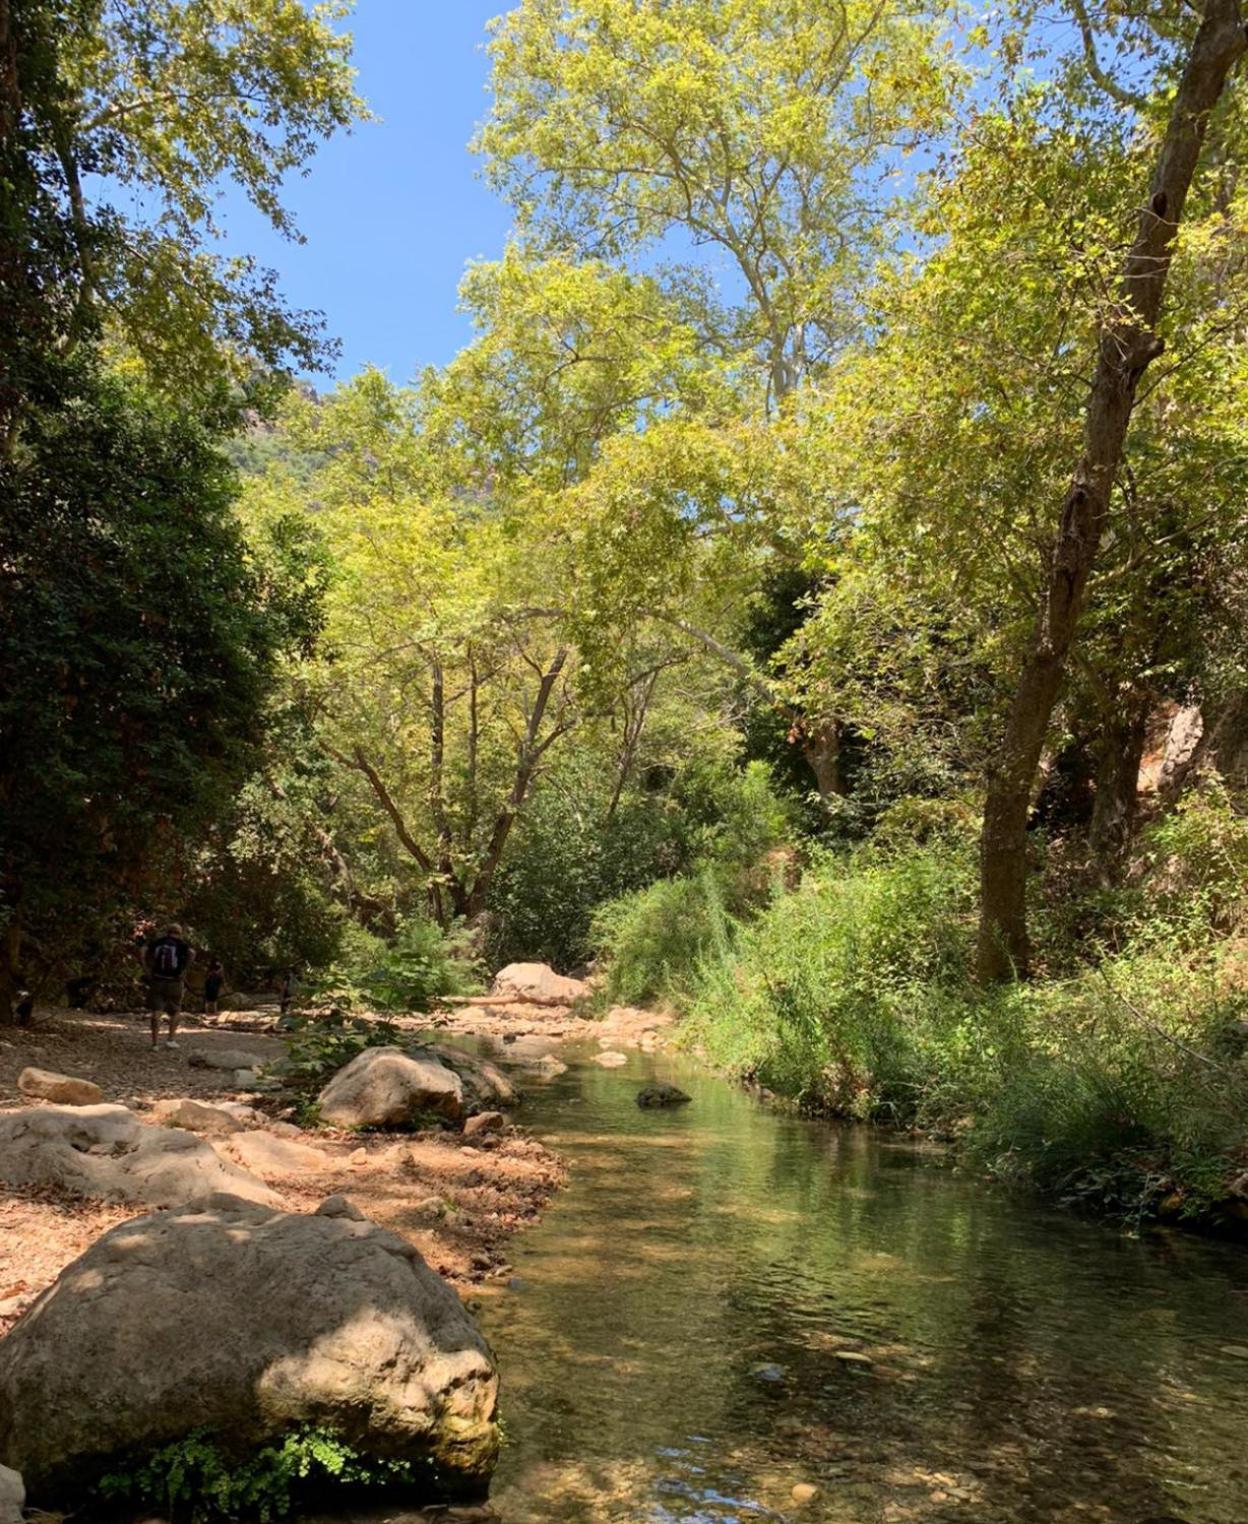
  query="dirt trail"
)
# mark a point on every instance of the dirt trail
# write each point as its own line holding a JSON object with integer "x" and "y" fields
{"x": 457, "y": 1202}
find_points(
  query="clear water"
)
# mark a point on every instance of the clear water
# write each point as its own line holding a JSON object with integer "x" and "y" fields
{"x": 669, "y": 1351}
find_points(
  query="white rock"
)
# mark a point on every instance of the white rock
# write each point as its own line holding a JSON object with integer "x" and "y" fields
{"x": 538, "y": 982}
{"x": 386, "y": 1087}
{"x": 269, "y": 1156}
{"x": 60, "y": 1089}
{"x": 106, "y": 1152}
{"x": 197, "y": 1116}
{"x": 12, "y": 1496}
{"x": 224, "y": 1058}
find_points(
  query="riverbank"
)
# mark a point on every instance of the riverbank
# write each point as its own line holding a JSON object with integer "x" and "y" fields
{"x": 737, "y": 1312}
{"x": 458, "y": 1201}
{"x": 1112, "y": 1081}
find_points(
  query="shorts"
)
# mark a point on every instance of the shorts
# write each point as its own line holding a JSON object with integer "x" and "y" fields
{"x": 164, "y": 995}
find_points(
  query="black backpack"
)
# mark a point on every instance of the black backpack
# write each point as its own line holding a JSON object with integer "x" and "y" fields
{"x": 167, "y": 959}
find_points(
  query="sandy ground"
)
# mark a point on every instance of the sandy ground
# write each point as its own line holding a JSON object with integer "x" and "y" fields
{"x": 457, "y": 1202}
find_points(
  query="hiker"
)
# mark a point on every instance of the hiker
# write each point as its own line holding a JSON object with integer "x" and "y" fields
{"x": 166, "y": 960}
{"x": 286, "y": 991}
{"x": 213, "y": 980}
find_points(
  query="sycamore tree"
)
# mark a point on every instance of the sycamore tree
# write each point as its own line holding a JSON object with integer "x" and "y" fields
{"x": 753, "y": 145}
{"x": 1020, "y": 342}
{"x": 453, "y": 666}
{"x": 755, "y": 160}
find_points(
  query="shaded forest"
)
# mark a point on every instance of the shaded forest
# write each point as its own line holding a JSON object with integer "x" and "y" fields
{"x": 815, "y": 598}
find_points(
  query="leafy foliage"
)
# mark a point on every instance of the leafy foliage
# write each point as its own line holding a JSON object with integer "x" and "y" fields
{"x": 407, "y": 971}
{"x": 197, "y": 1480}
{"x": 138, "y": 646}
{"x": 166, "y": 99}
{"x": 323, "y": 1043}
{"x": 1118, "y": 1087}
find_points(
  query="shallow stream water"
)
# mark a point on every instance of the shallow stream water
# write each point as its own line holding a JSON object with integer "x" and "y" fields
{"x": 673, "y": 1347}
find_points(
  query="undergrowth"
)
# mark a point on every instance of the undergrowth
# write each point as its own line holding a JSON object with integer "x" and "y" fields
{"x": 199, "y": 1481}
{"x": 1118, "y": 1086}
{"x": 321, "y": 1043}
{"x": 409, "y": 972}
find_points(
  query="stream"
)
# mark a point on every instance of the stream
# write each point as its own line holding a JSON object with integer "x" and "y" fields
{"x": 678, "y": 1342}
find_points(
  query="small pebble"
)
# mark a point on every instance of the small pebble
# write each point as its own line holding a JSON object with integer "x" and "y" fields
{"x": 804, "y": 1492}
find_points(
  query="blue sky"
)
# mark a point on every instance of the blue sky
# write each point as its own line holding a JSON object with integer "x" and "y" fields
{"x": 393, "y": 213}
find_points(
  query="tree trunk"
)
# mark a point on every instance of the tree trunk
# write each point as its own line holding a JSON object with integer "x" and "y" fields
{"x": 471, "y": 902}
{"x": 821, "y": 748}
{"x": 1114, "y": 809}
{"x": 1127, "y": 347}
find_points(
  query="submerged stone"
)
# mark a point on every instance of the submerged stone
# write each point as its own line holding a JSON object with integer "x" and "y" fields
{"x": 662, "y": 1095}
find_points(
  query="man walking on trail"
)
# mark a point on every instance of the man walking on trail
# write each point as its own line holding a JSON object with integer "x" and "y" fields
{"x": 167, "y": 960}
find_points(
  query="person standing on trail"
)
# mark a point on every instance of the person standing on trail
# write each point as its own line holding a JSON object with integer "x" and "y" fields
{"x": 167, "y": 960}
{"x": 213, "y": 981}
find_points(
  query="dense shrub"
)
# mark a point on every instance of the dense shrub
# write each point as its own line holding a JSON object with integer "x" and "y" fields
{"x": 1121, "y": 1086}
{"x": 656, "y": 940}
{"x": 405, "y": 973}
{"x": 571, "y": 856}
{"x": 820, "y": 994}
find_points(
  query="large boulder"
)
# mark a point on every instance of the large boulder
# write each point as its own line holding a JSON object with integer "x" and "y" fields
{"x": 106, "y": 1151}
{"x": 386, "y": 1087}
{"x": 539, "y": 983}
{"x": 60, "y": 1089}
{"x": 12, "y": 1496}
{"x": 246, "y": 1323}
{"x": 485, "y": 1084}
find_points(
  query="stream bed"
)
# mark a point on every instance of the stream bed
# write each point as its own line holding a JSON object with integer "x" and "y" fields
{"x": 688, "y": 1332}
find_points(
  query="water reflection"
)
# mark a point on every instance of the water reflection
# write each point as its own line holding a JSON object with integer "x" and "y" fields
{"x": 727, "y": 1304}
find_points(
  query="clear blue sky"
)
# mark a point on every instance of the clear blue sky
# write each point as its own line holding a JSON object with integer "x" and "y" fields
{"x": 392, "y": 213}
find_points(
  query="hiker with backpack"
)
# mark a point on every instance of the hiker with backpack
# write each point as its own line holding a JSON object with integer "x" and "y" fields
{"x": 166, "y": 960}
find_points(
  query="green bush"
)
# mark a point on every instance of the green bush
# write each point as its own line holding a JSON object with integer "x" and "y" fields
{"x": 1120, "y": 1087}
{"x": 322, "y": 1043}
{"x": 197, "y": 1479}
{"x": 407, "y": 973}
{"x": 571, "y": 855}
{"x": 821, "y": 995}
{"x": 655, "y": 940}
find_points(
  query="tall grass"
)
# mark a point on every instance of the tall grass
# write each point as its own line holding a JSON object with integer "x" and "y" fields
{"x": 1123, "y": 1085}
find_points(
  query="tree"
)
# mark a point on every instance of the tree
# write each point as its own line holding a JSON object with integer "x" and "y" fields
{"x": 165, "y": 100}
{"x": 1129, "y": 342}
{"x": 453, "y": 667}
{"x": 138, "y": 644}
{"x": 759, "y": 134}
